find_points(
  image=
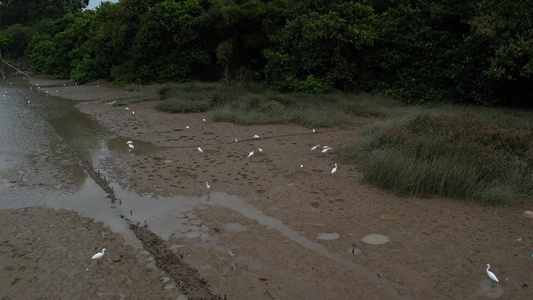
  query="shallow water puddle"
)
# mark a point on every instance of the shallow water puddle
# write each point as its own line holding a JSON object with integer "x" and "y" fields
{"x": 485, "y": 290}
{"x": 328, "y": 236}
{"x": 297, "y": 175}
{"x": 375, "y": 239}
{"x": 390, "y": 216}
{"x": 251, "y": 212}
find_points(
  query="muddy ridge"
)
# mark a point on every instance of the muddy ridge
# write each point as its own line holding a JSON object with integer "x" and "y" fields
{"x": 189, "y": 280}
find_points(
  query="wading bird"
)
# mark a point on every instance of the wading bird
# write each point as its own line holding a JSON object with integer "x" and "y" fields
{"x": 207, "y": 186}
{"x": 256, "y": 136}
{"x": 314, "y": 147}
{"x": 492, "y": 277}
{"x": 251, "y": 153}
{"x": 201, "y": 150}
{"x": 99, "y": 254}
{"x": 334, "y": 169}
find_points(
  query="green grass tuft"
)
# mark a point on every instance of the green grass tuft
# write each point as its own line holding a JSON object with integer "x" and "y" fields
{"x": 481, "y": 157}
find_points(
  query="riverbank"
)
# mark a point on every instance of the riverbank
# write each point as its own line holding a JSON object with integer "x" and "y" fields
{"x": 438, "y": 247}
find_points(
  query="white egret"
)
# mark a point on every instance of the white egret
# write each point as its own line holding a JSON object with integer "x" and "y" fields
{"x": 204, "y": 120}
{"x": 492, "y": 277}
{"x": 201, "y": 150}
{"x": 207, "y": 186}
{"x": 325, "y": 150}
{"x": 314, "y": 147}
{"x": 131, "y": 146}
{"x": 260, "y": 150}
{"x": 301, "y": 166}
{"x": 187, "y": 127}
{"x": 334, "y": 169}
{"x": 251, "y": 153}
{"x": 314, "y": 131}
{"x": 256, "y": 136}
{"x": 99, "y": 254}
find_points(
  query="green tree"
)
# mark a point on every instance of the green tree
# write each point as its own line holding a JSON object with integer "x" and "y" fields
{"x": 19, "y": 37}
{"x": 61, "y": 53}
{"x": 29, "y": 11}
{"x": 320, "y": 49}
{"x": 498, "y": 54}
{"x": 237, "y": 32}
{"x": 166, "y": 46}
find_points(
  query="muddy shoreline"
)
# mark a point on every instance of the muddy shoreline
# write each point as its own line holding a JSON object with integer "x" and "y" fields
{"x": 438, "y": 247}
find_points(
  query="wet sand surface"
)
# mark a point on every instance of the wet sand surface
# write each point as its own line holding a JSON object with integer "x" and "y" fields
{"x": 268, "y": 246}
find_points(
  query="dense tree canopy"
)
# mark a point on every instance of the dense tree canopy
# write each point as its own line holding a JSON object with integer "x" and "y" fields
{"x": 474, "y": 51}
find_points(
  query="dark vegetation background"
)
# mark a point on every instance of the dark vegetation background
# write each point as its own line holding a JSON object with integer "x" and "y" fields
{"x": 468, "y": 51}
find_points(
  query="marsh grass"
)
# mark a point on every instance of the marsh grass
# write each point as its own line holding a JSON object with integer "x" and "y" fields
{"x": 481, "y": 155}
{"x": 248, "y": 104}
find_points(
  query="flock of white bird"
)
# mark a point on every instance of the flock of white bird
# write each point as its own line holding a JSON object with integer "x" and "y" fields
{"x": 325, "y": 149}
{"x": 251, "y": 153}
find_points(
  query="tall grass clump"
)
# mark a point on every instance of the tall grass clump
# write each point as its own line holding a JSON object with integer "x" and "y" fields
{"x": 485, "y": 158}
{"x": 254, "y": 105}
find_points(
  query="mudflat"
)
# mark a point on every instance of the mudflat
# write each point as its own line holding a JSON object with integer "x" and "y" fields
{"x": 306, "y": 241}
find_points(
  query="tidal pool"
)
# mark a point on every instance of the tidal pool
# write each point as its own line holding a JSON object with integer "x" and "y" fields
{"x": 375, "y": 239}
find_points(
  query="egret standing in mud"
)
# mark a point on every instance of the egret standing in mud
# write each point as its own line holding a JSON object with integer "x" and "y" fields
{"x": 334, "y": 169}
{"x": 492, "y": 277}
{"x": 201, "y": 150}
{"x": 98, "y": 255}
{"x": 207, "y": 186}
{"x": 251, "y": 153}
{"x": 314, "y": 147}
{"x": 130, "y": 144}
